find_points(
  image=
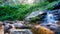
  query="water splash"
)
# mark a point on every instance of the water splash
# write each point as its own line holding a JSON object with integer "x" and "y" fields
{"x": 49, "y": 18}
{"x": 52, "y": 17}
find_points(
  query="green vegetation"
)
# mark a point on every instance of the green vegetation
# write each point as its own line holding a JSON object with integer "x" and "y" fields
{"x": 13, "y": 12}
{"x": 19, "y": 12}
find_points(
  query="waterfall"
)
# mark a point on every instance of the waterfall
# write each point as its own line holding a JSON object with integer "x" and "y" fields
{"x": 50, "y": 17}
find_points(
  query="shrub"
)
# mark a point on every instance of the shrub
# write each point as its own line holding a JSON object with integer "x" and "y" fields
{"x": 13, "y": 12}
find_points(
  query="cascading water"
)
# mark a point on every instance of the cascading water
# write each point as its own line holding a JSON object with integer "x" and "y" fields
{"x": 50, "y": 18}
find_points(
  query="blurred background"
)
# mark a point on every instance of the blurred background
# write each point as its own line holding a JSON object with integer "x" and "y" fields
{"x": 37, "y": 15}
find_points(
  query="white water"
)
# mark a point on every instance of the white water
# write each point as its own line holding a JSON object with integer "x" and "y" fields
{"x": 50, "y": 18}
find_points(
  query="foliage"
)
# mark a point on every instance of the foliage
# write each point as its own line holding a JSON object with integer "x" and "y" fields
{"x": 50, "y": 6}
{"x": 13, "y": 13}
{"x": 19, "y": 12}
{"x": 43, "y": 6}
